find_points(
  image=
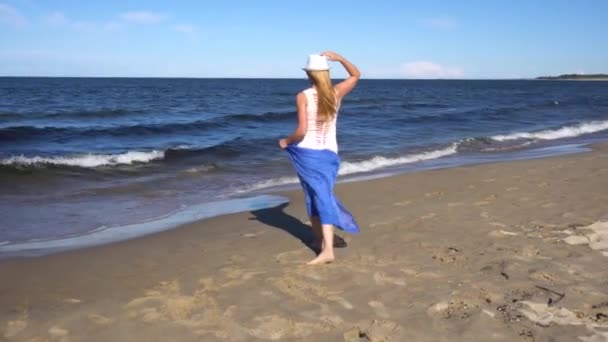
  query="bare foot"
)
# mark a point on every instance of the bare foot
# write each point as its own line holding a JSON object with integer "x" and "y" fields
{"x": 323, "y": 258}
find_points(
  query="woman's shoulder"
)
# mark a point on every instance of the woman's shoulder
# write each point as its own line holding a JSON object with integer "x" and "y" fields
{"x": 306, "y": 92}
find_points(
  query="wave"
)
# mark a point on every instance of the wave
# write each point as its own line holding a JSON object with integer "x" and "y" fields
{"x": 559, "y": 133}
{"x": 102, "y": 113}
{"x": 21, "y": 133}
{"x": 368, "y": 165}
{"x": 88, "y": 160}
{"x": 380, "y": 162}
{"x": 93, "y": 114}
{"x": 270, "y": 183}
{"x": 227, "y": 149}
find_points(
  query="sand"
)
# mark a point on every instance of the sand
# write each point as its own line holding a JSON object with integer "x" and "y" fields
{"x": 512, "y": 251}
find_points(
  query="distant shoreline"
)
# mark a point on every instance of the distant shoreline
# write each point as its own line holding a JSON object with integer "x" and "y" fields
{"x": 575, "y": 77}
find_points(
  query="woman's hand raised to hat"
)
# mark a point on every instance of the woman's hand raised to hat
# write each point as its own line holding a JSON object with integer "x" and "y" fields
{"x": 332, "y": 56}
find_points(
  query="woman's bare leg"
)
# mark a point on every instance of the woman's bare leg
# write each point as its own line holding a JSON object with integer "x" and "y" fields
{"x": 317, "y": 232}
{"x": 327, "y": 253}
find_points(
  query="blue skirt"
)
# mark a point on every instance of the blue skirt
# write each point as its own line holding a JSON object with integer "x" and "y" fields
{"x": 317, "y": 171}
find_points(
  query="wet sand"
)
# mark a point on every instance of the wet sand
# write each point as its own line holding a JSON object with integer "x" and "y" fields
{"x": 512, "y": 251}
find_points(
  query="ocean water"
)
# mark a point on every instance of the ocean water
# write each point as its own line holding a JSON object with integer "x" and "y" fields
{"x": 79, "y": 156}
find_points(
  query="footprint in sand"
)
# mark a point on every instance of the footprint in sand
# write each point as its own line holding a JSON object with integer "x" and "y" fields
{"x": 58, "y": 333}
{"x": 375, "y": 330}
{"x": 428, "y": 216}
{"x": 253, "y": 235}
{"x": 513, "y": 188}
{"x": 100, "y": 320}
{"x": 289, "y": 256}
{"x": 448, "y": 255}
{"x": 379, "y": 309}
{"x": 13, "y": 328}
{"x": 404, "y": 203}
{"x": 482, "y": 203}
{"x": 274, "y": 327}
{"x": 548, "y": 205}
{"x": 501, "y": 233}
{"x": 343, "y": 302}
{"x": 543, "y": 276}
{"x": 301, "y": 289}
{"x": 72, "y": 301}
{"x": 382, "y": 279}
{"x": 434, "y": 194}
{"x": 236, "y": 275}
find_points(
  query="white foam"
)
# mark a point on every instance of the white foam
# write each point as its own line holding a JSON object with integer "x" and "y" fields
{"x": 560, "y": 133}
{"x": 88, "y": 160}
{"x": 372, "y": 164}
{"x": 269, "y": 184}
{"x": 382, "y": 162}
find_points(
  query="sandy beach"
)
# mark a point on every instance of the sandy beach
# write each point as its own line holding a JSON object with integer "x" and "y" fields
{"x": 512, "y": 251}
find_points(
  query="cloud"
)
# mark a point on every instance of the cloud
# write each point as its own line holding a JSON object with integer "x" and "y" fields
{"x": 186, "y": 29}
{"x": 59, "y": 19}
{"x": 425, "y": 69}
{"x": 11, "y": 16}
{"x": 439, "y": 23}
{"x": 142, "y": 17}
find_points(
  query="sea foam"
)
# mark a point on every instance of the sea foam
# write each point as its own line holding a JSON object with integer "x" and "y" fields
{"x": 559, "y": 133}
{"x": 88, "y": 160}
{"x": 368, "y": 165}
{"x": 380, "y": 162}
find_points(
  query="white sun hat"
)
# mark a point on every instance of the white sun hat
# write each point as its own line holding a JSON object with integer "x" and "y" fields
{"x": 316, "y": 63}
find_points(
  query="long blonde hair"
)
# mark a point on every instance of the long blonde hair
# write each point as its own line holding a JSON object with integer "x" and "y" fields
{"x": 326, "y": 95}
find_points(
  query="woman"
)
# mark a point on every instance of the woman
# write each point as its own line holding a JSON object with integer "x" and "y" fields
{"x": 313, "y": 150}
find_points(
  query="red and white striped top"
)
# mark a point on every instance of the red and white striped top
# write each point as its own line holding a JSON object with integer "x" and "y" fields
{"x": 320, "y": 135}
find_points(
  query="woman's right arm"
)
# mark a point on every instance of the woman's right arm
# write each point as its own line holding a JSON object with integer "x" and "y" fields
{"x": 348, "y": 84}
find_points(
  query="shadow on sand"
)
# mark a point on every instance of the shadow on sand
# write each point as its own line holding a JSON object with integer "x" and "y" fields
{"x": 278, "y": 218}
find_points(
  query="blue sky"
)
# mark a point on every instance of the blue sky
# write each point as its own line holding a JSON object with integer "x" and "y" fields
{"x": 268, "y": 38}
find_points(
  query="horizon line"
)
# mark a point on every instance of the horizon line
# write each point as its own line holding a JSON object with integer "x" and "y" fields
{"x": 282, "y": 78}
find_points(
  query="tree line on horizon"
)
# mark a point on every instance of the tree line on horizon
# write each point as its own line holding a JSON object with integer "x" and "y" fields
{"x": 574, "y": 77}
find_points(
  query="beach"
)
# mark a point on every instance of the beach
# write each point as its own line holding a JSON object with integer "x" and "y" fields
{"x": 509, "y": 251}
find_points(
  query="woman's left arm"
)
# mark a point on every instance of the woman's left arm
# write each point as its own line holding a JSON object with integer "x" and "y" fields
{"x": 300, "y": 131}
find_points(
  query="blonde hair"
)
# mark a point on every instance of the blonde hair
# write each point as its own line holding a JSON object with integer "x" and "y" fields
{"x": 326, "y": 95}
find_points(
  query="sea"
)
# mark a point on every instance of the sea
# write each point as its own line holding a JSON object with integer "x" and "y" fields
{"x": 87, "y": 161}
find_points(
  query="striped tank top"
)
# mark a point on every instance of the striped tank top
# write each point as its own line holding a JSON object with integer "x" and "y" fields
{"x": 320, "y": 135}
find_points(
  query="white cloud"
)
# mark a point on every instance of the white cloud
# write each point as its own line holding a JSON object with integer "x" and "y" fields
{"x": 439, "y": 23}
{"x": 185, "y": 29}
{"x": 11, "y": 16}
{"x": 142, "y": 17}
{"x": 59, "y": 19}
{"x": 112, "y": 25}
{"x": 425, "y": 69}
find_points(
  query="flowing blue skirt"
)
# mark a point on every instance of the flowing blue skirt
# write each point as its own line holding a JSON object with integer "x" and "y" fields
{"x": 317, "y": 171}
